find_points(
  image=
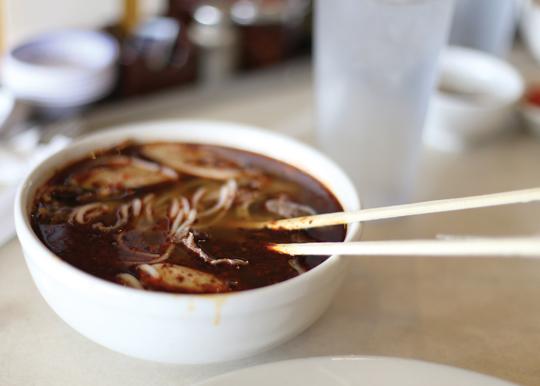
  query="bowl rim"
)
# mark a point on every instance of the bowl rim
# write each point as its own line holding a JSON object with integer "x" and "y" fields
{"x": 109, "y": 46}
{"x": 26, "y": 234}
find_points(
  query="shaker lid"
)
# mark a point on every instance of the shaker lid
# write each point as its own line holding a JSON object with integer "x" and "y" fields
{"x": 212, "y": 25}
{"x": 261, "y": 12}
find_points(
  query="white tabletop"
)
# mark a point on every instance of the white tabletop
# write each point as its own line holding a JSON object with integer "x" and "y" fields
{"x": 479, "y": 315}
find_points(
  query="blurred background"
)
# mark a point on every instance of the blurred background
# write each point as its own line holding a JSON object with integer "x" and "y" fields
{"x": 160, "y": 41}
{"x": 26, "y": 19}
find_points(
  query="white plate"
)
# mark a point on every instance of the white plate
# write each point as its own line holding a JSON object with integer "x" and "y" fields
{"x": 354, "y": 370}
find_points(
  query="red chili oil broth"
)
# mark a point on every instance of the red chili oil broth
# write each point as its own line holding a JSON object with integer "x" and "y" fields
{"x": 268, "y": 188}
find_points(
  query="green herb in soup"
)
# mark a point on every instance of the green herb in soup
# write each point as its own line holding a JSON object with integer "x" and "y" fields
{"x": 164, "y": 217}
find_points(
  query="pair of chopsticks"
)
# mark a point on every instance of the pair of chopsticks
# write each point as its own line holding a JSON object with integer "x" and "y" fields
{"x": 479, "y": 247}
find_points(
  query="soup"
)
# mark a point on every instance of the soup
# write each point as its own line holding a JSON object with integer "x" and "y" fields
{"x": 168, "y": 216}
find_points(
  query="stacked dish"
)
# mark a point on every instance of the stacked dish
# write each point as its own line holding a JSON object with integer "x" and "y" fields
{"x": 475, "y": 101}
{"x": 67, "y": 68}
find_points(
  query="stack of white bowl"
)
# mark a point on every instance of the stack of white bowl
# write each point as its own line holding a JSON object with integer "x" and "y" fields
{"x": 63, "y": 69}
{"x": 476, "y": 100}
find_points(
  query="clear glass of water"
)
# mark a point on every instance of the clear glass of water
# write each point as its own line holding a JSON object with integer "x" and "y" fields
{"x": 486, "y": 25}
{"x": 375, "y": 69}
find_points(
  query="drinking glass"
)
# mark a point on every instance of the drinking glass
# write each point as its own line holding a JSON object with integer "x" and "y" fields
{"x": 375, "y": 69}
{"x": 486, "y": 25}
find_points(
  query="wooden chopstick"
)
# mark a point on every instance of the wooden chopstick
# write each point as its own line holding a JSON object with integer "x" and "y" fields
{"x": 478, "y": 247}
{"x": 438, "y": 206}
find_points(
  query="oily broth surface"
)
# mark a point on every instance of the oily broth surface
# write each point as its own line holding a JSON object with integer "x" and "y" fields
{"x": 103, "y": 253}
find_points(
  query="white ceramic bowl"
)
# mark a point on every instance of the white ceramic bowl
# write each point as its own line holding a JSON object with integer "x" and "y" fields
{"x": 177, "y": 328}
{"x": 64, "y": 68}
{"x": 494, "y": 88}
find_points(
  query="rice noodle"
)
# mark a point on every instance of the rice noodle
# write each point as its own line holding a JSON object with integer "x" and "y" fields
{"x": 185, "y": 204}
{"x": 184, "y": 219}
{"x": 85, "y": 213}
{"x": 177, "y": 221}
{"x": 183, "y": 229}
{"x": 136, "y": 205}
{"x": 225, "y": 200}
{"x": 284, "y": 207}
{"x": 121, "y": 219}
{"x": 122, "y": 215}
{"x": 189, "y": 242}
{"x": 199, "y": 193}
{"x": 296, "y": 266}
{"x": 165, "y": 256}
{"x": 148, "y": 204}
{"x": 174, "y": 208}
{"x": 150, "y": 258}
{"x": 245, "y": 199}
{"x": 129, "y": 280}
{"x": 148, "y": 198}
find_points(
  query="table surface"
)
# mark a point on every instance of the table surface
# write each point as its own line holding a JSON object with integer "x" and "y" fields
{"x": 482, "y": 315}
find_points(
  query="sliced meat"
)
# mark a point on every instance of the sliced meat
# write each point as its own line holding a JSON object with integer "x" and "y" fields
{"x": 189, "y": 242}
{"x": 192, "y": 160}
{"x": 114, "y": 173}
{"x": 176, "y": 278}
